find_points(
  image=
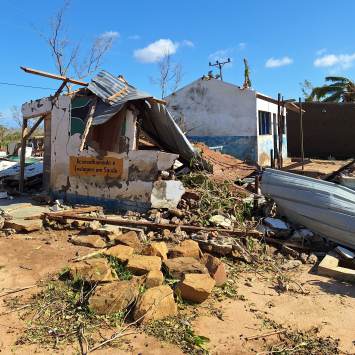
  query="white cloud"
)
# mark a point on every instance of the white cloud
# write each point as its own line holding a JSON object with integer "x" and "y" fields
{"x": 155, "y": 51}
{"x": 273, "y": 63}
{"x": 187, "y": 43}
{"x": 242, "y": 45}
{"x": 321, "y": 51}
{"x": 110, "y": 34}
{"x": 342, "y": 61}
{"x": 134, "y": 37}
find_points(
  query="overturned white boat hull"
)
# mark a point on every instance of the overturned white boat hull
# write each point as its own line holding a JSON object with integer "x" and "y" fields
{"x": 323, "y": 207}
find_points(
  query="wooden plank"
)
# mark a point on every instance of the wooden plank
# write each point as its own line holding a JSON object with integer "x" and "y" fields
{"x": 88, "y": 123}
{"x": 297, "y": 245}
{"x": 61, "y": 87}
{"x": 22, "y": 160}
{"x": 333, "y": 175}
{"x": 65, "y": 213}
{"x": 289, "y": 105}
{"x": 37, "y": 115}
{"x": 112, "y": 97}
{"x": 296, "y": 165}
{"x": 153, "y": 99}
{"x": 122, "y": 222}
{"x": 35, "y": 126}
{"x": 53, "y": 76}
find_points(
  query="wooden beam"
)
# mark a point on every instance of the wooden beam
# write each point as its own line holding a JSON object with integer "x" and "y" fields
{"x": 153, "y": 99}
{"x": 112, "y": 97}
{"x": 35, "y": 126}
{"x": 88, "y": 123}
{"x": 296, "y": 165}
{"x": 335, "y": 173}
{"x": 37, "y": 115}
{"x": 289, "y": 105}
{"x": 22, "y": 159}
{"x": 61, "y": 87}
{"x": 152, "y": 225}
{"x": 53, "y": 76}
{"x": 66, "y": 213}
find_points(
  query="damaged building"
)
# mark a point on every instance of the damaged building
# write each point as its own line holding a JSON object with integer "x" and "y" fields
{"x": 92, "y": 151}
{"x": 241, "y": 121}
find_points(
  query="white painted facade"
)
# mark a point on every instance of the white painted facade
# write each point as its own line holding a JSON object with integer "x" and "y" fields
{"x": 218, "y": 113}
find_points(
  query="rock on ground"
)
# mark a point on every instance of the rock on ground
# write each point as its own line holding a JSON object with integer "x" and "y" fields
{"x": 155, "y": 303}
{"x": 196, "y": 287}
{"x": 215, "y": 268}
{"x": 109, "y": 229}
{"x": 141, "y": 264}
{"x": 157, "y": 249}
{"x": 289, "y": 251}
{"x": 178, "y": 267}
{"x": 91, "y": 241}
{"x": 291, "y": 265}
{"x": 188, "y": 248}
{"x": 130, "y": 239}
{"x": 113, "y": 297}
{"x": 20, "y": 224}
{"x": 93, "y": 270}
{"x": 121, "y": 252}
{"x": 154, "y": 278}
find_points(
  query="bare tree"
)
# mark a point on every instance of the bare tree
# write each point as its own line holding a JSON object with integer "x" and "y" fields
{"x": 68, "y": 55}
{"x": 18, "y": 118}
{"x": 170, "y": 73}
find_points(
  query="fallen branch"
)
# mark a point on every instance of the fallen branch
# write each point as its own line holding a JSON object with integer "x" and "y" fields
{"x": 297, "y": 245}
{"x": 16, "y": 290}
{"x": 152, "y": 225}
{"x": 15, "y": 310}
{"x": 296, "y": 165}
{"x": 265, "y": 335}
{"x": 288, "y": 278}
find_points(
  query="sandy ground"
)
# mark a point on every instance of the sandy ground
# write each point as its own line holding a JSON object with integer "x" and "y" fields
{"x": 329, "y": 305}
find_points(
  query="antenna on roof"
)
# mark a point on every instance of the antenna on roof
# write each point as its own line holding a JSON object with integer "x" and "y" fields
{"x": 220, "y": 65}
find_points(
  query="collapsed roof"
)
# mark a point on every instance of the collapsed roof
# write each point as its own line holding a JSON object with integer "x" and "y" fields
{"x": 157, "y": 122}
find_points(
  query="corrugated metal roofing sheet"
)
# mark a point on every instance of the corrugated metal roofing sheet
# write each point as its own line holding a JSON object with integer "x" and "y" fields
{"x": 158, "y": 120}
{"x": 323, "y": 207}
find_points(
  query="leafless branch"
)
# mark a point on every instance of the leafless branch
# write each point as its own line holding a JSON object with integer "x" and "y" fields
{"x": 170, "y": 72}
{"x": 68, "y": 54}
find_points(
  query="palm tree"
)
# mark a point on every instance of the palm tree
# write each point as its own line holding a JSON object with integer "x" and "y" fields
{"x": 340, "y": 89}
{"x": 247, "y": 82}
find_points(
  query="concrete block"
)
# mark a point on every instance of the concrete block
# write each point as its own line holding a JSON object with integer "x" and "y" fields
{"x": 330, "y": 267}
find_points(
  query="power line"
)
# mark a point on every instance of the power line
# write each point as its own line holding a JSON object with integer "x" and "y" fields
{"x": 27, "y": 86}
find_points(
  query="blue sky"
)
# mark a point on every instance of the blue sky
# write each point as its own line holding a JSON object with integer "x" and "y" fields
{"x": 284, "y": 42}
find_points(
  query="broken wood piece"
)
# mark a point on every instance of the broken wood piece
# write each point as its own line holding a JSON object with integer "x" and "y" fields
{"x": 335, "y": 173}
{"x": 88, "y": 256}
{"x": 256, "y": 336}
{"x": 118, "y": 93}
{"x": 296, "y": 165}
{"x": 65, "y": 213}
{"x": 88, "y": 123}
{"x": 195, "y": 195}
{"x": 61, "y": 87}
{"x": 152, "y": 225}
{"x": 16, "y": 290}
{"x": 15, "y": 310}
{"x": 297, "y": 245}
{"x": 155, "y": 100}
{"x": 53, "y": 76}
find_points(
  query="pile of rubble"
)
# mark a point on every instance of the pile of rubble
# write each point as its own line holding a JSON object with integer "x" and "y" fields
{"x": 193, "y": 273}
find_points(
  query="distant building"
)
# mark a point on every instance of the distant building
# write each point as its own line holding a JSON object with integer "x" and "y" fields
{"x": 218, "y": 113}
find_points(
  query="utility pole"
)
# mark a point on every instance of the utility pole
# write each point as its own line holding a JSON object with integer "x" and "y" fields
{"x": 220, "y": 65}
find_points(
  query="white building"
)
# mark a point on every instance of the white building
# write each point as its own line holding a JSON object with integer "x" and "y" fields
{"x": 241, "y": 120}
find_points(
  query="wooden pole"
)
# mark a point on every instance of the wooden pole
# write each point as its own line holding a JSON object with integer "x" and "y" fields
{"x": 279, "y": 131}
{"x": 282, "y": 125}
{"x": 256, "y": 192}
{"x": 23, "y": 155}
{"x": 88, "y": 124}
{"x": 28, "y": 135}
{"x": 272, "y": 158}
{"x": 301, "y": 131}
